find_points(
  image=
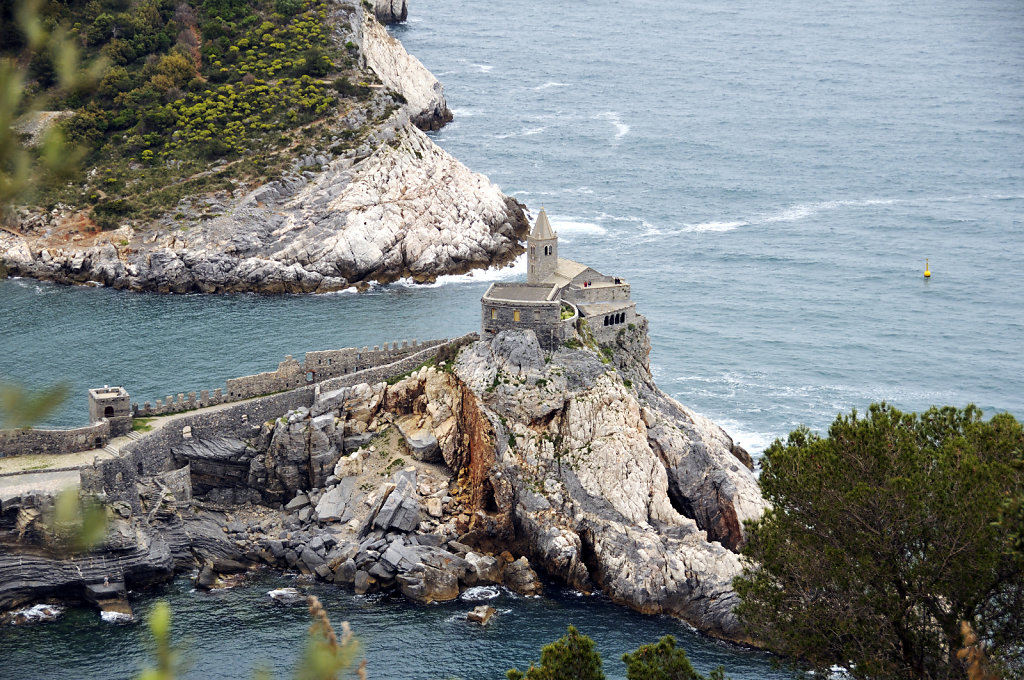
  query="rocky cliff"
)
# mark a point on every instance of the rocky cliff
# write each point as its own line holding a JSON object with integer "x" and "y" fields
{"x": 490, "y": 463}
{"x": 394, "y": 206}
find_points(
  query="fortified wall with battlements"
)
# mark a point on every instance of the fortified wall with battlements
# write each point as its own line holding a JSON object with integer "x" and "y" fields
{"x": 111, "y": 413}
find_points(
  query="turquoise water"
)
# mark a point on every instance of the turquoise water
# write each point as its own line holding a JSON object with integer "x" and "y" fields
{"x": 770, "y": 177}
{"x": 228, "y": 634}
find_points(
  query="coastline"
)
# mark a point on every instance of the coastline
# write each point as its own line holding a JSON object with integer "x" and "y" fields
{"x": 395, "y": 207}
{"x": 404, "y": 477}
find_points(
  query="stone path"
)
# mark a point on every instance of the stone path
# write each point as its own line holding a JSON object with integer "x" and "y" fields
{"x": 47, "y": 472}
{"x": 54, "y": 472}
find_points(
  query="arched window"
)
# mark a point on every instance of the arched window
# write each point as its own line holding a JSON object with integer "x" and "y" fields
{"x": 515, "y": 315}
{"x": 494, "y": 313}
{"x": 605, "y": 320}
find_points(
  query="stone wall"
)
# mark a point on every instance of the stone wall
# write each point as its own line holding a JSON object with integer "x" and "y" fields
{"x": 606, "y": 334}
{"x": 544, "y": 318}
{"x": 29, "y": 441}
{"x": 290, "y": 374}
{"x": 152, "y": 454}
{"x": 600, "y": 293}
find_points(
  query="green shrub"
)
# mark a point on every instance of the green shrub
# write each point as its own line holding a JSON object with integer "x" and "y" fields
{"x": 571, "y": 657}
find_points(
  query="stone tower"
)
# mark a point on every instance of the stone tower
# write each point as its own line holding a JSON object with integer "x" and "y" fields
{"x": 114, "y": 404}
{"x": 542, "y": 250}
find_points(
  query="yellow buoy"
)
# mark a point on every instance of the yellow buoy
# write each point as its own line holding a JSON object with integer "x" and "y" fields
{"x": 927, "y": 271}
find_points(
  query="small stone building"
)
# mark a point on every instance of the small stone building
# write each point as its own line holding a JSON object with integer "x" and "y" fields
{"x": 556, "y": 294}
{"x": 114, "y": 404}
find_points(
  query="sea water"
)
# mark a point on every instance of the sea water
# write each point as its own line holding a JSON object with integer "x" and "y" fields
{"x": 769, "y": 177}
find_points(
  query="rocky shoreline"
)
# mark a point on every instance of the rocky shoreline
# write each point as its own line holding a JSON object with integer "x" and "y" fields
{"x": 489, "y": 464}
{"x": 397, "y": 206}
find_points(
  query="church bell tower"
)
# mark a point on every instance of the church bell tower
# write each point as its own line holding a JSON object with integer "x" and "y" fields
{"x": 542, "y": 250}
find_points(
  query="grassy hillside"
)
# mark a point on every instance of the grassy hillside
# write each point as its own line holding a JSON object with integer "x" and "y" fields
{"x": 198, "y": 96}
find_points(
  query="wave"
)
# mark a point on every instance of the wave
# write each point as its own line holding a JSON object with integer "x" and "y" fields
{"x": 525, "y": 132}
{"x": 467, "y": 113}
{"x": 793, "y": 213}
{"x": 621, "y": 129}
{"x": 805, "y": 210}
{"x": 754, "y": 442}
{"x": 573, "y": 225}
{"x": 516, "y": 270}
{"x": 115, "y": 617}
{"x": 480, "y": 593}
{"x": 483, "y": 68}
{"x": 550, "y": 84}
{"x": 713, "y": 226}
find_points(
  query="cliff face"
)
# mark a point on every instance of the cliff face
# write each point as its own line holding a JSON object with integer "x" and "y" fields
{"x": 396, "y": 206}
{"x": 612, "y": 484}
{"x": 573, "y": 461}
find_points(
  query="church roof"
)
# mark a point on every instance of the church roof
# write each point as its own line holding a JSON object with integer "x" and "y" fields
{"x": 542, "y": 229}
{"x": 565, "y": 272}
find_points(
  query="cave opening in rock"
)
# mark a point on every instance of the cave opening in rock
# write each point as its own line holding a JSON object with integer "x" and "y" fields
{"x": 588, "y": 555}
{"x": 680, "y": 503}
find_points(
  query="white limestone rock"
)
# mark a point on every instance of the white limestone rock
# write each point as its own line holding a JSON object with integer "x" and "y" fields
{"x": 391, "y": 11}
{"x": 401, "y": 71}
{"x": 398, "y": 207}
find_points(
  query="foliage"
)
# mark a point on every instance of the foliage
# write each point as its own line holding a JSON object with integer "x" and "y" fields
{"x": 78, "y": 524}
{"x": 49, "y": 55}
{"x": 662, "y": 661}
{"x": 324, "y": 658}
{"x": 881, "y": 539}
{"x": 21, "y": 407}
{"x": 572, "y": 657}
{"x": 179, "y": 84}
{"x": 167, "y": 657}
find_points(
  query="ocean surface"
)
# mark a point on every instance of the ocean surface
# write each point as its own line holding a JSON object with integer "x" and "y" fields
{"x": 770, "y": 178}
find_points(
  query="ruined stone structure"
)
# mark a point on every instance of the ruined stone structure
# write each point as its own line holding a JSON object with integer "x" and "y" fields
{"x": 557, "y": 294}
{"x": 111, "y": 410}
{"x": 290, "y": 374}
{"x": 114, "y": 404}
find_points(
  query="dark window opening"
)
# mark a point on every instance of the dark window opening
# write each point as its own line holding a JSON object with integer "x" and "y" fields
{"x": 108, "y": 412}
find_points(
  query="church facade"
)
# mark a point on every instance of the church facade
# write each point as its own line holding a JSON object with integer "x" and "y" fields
{"x": 557, "y": 294}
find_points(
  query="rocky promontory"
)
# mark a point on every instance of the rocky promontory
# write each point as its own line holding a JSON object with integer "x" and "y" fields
{"x": 494, "y": 462}
{"x": 391, "y": 205}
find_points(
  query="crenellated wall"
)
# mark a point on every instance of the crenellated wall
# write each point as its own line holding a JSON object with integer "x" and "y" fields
{"x": 290, "y": 374}
{"x": 151, "y": 454}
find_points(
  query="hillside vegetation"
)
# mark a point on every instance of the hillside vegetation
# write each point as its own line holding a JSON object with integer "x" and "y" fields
{"x": 198, "y": 96}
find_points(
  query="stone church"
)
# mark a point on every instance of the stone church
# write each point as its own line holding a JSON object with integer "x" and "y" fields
{"x": 557, "y": 293}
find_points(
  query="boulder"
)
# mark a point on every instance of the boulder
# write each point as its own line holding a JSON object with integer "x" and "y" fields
{"x": 426, "y": 584}
{"x": 520, "y": 577}
{"x": 340, "y": 503}
{"x": 391, "y": 11}
{"x": 419, "y": 438}
{"x": 486, "y": 569}
{"x": 481, "y": 614}
{"x": 400, "y": 511}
